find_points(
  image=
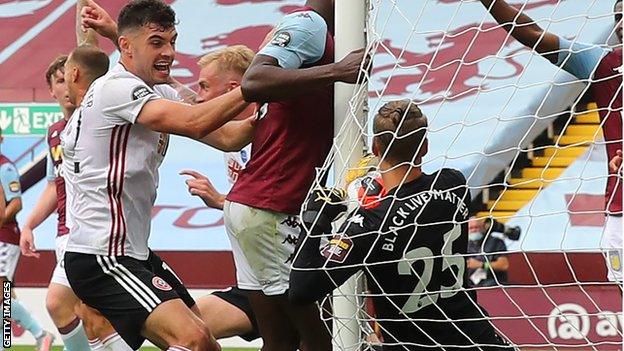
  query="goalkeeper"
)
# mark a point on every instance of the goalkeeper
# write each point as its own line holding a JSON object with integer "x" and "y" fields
{"x": 411, "y": 244}
{"x": 602, "y": 68}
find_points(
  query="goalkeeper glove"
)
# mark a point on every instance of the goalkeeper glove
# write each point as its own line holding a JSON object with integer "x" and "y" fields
{"x": 323, "y": 207}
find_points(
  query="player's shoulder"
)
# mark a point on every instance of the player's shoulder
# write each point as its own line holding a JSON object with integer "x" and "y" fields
{"x": 366, "y": 219}
{"x": 303, "y": 18}
{"x": 5, "y": 161}
{"x": 451, "y": 177}
{"x": 119, "y": 77}
{"x": 118, "y": 86}
{"x": 55, "y": 128}
{"x": 304, "y": 13}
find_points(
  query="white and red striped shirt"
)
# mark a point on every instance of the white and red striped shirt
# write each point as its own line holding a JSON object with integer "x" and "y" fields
{"x": 111, "y": 167}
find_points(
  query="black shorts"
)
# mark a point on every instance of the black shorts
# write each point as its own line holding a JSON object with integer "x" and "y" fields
{"x": 236, "y": 297}
{"x": 125, "y": 290}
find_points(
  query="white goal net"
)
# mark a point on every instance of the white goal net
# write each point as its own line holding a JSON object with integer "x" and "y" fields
{"x": 528, "y": 137}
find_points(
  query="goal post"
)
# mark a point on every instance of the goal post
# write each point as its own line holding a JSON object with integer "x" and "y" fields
{"x": 349, "y": 144}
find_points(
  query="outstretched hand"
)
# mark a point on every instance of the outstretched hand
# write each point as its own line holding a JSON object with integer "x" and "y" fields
{"x": 200, "y": 186}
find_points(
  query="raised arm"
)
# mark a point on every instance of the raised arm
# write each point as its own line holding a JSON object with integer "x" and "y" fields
{"x": 93, "y": 17}
{"x": 84, "y": 35}
{"x": 299, "y": 40}
{"x": 195, "y": 121}
{"x": 524, "y": 29}
{"x": 267, "y": 81}
{"x": 308, "y": 282}
{"x": 232, "y": 136}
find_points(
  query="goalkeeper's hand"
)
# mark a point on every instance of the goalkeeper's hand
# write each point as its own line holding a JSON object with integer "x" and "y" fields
{"x": 323, "y": 206}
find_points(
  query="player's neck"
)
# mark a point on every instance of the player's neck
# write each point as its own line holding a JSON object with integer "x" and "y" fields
{"x": 393, "y": 177}
{"x": 129, "y": 66}
{"x": 80, "y": 96}
{"x": 67, "y": 112}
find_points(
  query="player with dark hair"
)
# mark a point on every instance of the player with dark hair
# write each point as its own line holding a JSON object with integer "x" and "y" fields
{"x": 602, "y": 69}
{"x": 411, "y": 243}
{"x": 112, "y": 151}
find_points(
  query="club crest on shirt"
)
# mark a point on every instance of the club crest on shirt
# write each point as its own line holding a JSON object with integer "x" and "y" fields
{"x": 281, "y": 39}
{"x": 140, "y": 92}
{"x": 161, "y": 284}
{"x": 338, "y": 249}
{"x": 14, "y": 186}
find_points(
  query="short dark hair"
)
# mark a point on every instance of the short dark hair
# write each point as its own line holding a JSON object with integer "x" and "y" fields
{"x": 58, "y": 64}
{"x": 400, "y": 127}
{"x": 93, "y": 61}
{"x": 138, "y": 13}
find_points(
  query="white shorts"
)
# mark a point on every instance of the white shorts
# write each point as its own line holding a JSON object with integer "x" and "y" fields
{"x": 611, "y": 245}
{"x": 59, "y": 276}
{"x": 9, "y": 255}
{"x": 263, "y": 244}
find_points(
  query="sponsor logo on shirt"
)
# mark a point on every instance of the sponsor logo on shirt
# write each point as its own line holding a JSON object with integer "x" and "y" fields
{"x": 303, "y": 15}
{"x": 281, "y": 39}
{"x": 357, "y": 219}
{"x": 14, "y": 186}
{"x": 338, "y": 249}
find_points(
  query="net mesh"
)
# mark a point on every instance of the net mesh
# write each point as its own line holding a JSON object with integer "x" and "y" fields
{"x": 527, "y": 136}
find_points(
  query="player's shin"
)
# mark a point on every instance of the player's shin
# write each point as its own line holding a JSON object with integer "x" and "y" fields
{"x": 21, "y": 315}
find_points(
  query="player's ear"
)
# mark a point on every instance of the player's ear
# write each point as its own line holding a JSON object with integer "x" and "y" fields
{"x": 124, "y": 45}
{"x": 233, "y": 85}
{"x": 376, "y": 147}
{"x": 75, "y": 74}
{"x": 424, "y": 148}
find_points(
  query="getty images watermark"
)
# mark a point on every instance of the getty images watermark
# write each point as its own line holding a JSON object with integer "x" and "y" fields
{"x": 6, "y": 314}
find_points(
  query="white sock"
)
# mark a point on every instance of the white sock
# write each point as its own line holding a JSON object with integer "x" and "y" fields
{"x": 96, "y": 345}
{"x": 114, "y": 342}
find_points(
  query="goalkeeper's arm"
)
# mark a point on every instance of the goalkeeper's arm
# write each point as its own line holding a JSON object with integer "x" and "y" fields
{"x": 524, "y": 29}
{"x": 316, "y": 272}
